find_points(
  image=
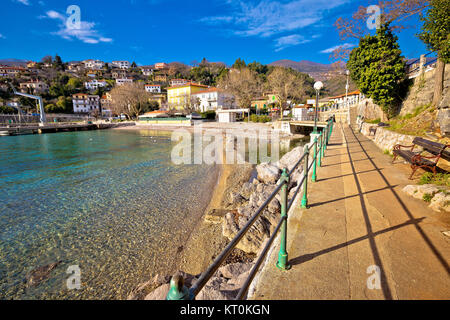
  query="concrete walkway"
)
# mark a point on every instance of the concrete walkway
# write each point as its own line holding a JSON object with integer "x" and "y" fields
{"x": 360, "y": 221}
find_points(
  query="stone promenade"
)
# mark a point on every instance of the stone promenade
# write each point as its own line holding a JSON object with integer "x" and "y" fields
{"x": 361, "y": 227}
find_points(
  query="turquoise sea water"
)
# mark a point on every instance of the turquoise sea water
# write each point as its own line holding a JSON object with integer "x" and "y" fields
{"x": 110, "y": 202}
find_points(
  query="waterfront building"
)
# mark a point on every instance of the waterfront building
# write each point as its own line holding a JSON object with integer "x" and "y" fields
{"x": 153, "y": 88}
{"x": 180, "y": 96}
{"x": 214, "y": 99}
{"x": 300, "y": 113}
{"x": 95, "y": 84}
{"x": 85, "y": 103}
{"x": 121, "y": 64}
{"x": 34, "y": 86}
{"x": 265, "y": 103}
{"x": 161, "y": 99}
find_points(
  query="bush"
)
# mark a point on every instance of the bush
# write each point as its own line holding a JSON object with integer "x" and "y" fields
{"x": 375, "y": 121}
{"x": 440, "y": 179}
{"x": 427, "y": 197}
{"x": 209, "y": 115}
{"x": 259, "y": 119}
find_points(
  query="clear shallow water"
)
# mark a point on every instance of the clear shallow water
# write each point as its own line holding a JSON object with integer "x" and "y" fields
{"x": 108, "y": 201}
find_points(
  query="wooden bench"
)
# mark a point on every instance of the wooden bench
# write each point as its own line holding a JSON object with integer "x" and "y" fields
{"x": 417, "y": 159}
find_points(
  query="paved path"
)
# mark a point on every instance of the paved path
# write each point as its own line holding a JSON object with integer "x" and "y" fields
{"x": 359, "y": 218}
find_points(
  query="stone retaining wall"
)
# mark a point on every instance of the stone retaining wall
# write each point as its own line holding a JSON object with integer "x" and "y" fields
{"x": 385, "y": 139}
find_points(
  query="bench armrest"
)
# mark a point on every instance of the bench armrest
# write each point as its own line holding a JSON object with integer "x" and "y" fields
{"x": 399, "y": 147}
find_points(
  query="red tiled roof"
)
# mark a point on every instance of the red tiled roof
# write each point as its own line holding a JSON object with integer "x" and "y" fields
{"x": 213, "y": 89}
{"x": 354, "y": 93}
{"x": 188, "y": 84}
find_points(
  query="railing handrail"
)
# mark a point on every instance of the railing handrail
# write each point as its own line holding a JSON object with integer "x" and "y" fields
{"x": 177, "y": 287}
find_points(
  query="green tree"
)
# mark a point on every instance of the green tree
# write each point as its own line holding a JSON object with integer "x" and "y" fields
{"x": 65, "y": 104}
{"x": 51, "y": 108}
{"x": 436, "y": 35}
{"x": 378, "y": 68}
{"x": 58, "y": 63}
{"x": 74, "y": 85}
{"x": 239, "y": 64}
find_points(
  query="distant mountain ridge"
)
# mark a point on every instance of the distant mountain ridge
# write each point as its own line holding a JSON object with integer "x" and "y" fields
{"x": 14, "y": 62}
{"x": 302, "y": 66}
{"x": 318, "y": 71}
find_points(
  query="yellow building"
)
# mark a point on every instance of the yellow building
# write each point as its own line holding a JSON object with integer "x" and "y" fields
{"x": 180, "y": 96}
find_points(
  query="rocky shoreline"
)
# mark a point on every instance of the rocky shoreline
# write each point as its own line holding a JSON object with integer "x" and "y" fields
{"x": 240, "y": 192}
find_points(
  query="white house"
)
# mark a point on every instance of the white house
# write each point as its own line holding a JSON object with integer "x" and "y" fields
{"x": 214, "y": 99}
{"x": 95, "y": 84}
{"x": 153, "y": 88}
{"x": 121, "y": 82}
{"x": 121, "y": 64}
{"x": 300, "y": 113}
{"x": 93, "y": 64}
{"x": 344, "y": 100}
{"x": 178, "y": 82}
{"x": 84, "y": 103}
{"x": 146, "y": 70}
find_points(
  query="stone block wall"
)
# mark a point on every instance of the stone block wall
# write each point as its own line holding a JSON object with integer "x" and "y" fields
{"x": 385, "y": 139}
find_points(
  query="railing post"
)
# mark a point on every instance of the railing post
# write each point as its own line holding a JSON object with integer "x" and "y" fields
{"x": 283, "y": 255}
{"x": 319, "y": 154}
{"x": 324, "y": 144}
{"x": 178, "y": 291}
{"x": 305, "y": 186}
{"x": 314, "y": 175}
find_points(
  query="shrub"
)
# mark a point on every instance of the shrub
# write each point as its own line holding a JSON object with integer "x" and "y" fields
{"x": 375, "y": 121}
{"x": 440, "y": 179}
{"x": 427, "y": 197}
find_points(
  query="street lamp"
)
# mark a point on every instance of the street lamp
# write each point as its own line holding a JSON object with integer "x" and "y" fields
{"x": 318, "y": 86}
{"x": 347, "y": 87}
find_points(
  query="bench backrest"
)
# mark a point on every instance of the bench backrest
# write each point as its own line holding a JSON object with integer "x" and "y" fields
{"x": 432, "y": 147}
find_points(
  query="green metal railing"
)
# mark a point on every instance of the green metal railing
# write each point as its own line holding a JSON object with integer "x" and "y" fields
{"x": 178, "y": 291}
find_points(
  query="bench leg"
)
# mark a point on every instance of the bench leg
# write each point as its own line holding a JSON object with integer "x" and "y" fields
{"x": 395, "y": 158}
{"x": 414, "y": 168}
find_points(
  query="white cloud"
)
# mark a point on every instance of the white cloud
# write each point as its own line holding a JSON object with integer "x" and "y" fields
{"x": 289, "y": 41}
{"x": 267, "y": 18}
{"x": 344, "y": 46}
{"x": 86, "y": 33}
{"x": 25, "y": 2}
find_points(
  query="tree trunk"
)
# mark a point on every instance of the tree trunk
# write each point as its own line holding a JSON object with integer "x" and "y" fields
{"x": 439, "y": 82}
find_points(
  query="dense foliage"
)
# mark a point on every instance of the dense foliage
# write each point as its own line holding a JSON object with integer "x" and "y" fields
{"x": 436, "y": 28}
{"x": 378, "y": 69}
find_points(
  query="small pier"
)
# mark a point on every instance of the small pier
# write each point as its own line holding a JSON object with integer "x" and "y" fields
{"x": 15, "y": 130}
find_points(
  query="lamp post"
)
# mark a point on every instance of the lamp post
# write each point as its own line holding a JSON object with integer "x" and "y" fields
{"x": 318, "y": 86}
{"x": 347, "y": 87}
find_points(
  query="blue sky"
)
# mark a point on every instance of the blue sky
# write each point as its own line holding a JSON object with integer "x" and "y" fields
{"x": 149, "y": 31}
